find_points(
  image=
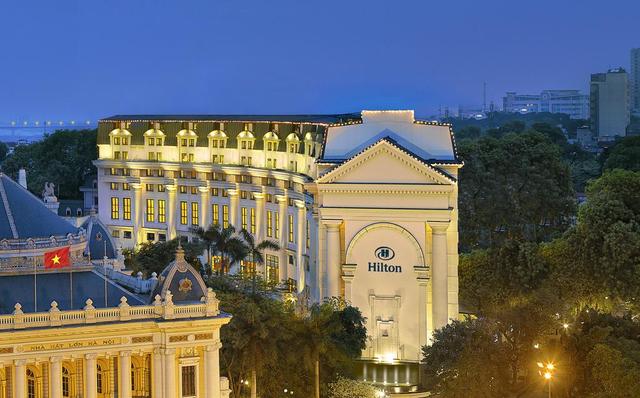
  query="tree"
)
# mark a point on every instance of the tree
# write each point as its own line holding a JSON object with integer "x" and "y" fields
{"x": 624, "y": 154}
{"x": 4, "y": 149}
{"x": 255, "y": 251}
{"x": 516, "y": 187}
{"x": 208, "y": 238}
{"x": 64, "y": 158}
{"x": 228, "y": 246}
{"x": 348, "y": 388}
{"x": 155, "y": 256}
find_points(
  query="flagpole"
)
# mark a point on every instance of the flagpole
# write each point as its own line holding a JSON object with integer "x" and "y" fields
{"x": 35, "y": 285}
{"x": 104, "y": 269}
{"x": 71, "y": 283}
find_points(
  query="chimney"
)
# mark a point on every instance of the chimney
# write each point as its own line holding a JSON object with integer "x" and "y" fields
{"x": 22, "y": 178}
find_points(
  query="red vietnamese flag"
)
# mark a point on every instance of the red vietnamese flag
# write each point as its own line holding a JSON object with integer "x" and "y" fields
{"x": 57, "y": 258}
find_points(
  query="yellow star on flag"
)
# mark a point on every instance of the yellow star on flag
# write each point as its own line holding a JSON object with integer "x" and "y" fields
{"x": 56, "y": 259}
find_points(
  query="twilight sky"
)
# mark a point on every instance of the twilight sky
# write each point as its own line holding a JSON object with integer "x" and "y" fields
{"x": 87, "y": 59}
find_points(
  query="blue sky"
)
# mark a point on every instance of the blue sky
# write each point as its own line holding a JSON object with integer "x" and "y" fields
{"x": 87, "y": 59}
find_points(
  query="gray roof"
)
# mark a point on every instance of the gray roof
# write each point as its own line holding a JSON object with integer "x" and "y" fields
{"x": 182, "y": 280}
{"x": 23, "y": 215}
{"x": 319, "y": 119}
{"x": 99, "y": 242}
{"x": 57, "y": 286}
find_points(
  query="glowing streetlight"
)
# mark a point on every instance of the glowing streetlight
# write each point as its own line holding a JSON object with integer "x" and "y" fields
{"x": 546, "y": 371}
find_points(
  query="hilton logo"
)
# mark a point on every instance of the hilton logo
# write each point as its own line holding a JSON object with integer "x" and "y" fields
{"x": 384, "y": 253}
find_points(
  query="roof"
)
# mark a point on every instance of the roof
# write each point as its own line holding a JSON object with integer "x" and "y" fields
{"x": 57, "y": 286}
{"x": 23, "y": 215}
{"x": 182, "y": 280}
{"x": 314, "y": 119}
{"x": 99, "y": 242}
{"x": 71, "y": 204}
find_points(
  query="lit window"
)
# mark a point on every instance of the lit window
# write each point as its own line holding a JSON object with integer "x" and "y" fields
{"x": 194, "y": 213}
{"x": 126, "y": 208}
{"x": 114, "y": 186}
{"x": 162, "y": 212}
{"x": 308, "y": 236}
{"x": 225, "y": 216}
{"x": 183, "y": 213}
{"x": 271, "y": 263}
{"x": 151, "y": 213}
{"x": 115, "y": 208}
{"x": 253, "y": 220}
{"x": 149, "y": 187}
{"x": 161, "y": 188}
{"x": 291, "y": 235}
{"x": 126, "y": 186}
{"x": 269, "y": 224}
{"x": 244, "y": 218}
{"x": 277, "y": 225}
{"x": 215, "y": 214}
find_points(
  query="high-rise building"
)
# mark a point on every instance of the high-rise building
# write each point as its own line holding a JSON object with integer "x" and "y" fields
{"x": 363, "y": 206}
{"x": 610, "y": 114}
{"x": 635, "y": 80}
{"x": 572, "y": 102}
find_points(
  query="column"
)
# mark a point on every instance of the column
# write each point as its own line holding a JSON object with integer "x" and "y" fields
{"x": 170, "y": 372}
{"x": 55, "y": 376}
{"x": 423, "y": 281}
{"x": 212, "y": 371}
{"x": 171, "y": 211}
{"x": 234, "y": 211}
{"x": 302, "y": 243}
{"x": 205, "y": 207}
{"x": 124, "y": 368}
{"x": 320, "y": 255}
{"x": 157, "y": 387}
{"x": 260, "y": 227}
{"x": 90, "y": 376}
{"x": 283, "y": 261}
{"x": 137, "y": 213}
{"x": 439, "y": 273}
{"x": 19, "y": 378}
{"x": 333, "y": 258}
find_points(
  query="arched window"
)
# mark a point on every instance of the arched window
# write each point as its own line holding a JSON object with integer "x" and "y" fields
{"x": 67, "y": 212}
{"x": 31, "y": 384}
{"x": 99, "y": 379}
{"x": 66, "y": 383}
{"x": 79, "y": 212}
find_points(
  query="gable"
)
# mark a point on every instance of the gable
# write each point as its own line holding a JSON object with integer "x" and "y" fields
{"x": 385, "y": 163}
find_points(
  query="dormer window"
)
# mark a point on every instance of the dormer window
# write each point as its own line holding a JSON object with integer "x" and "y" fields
{"x": 293, "y": 143}
{"x": 308, "y": 144}
{"x": 120, "y": 140}
{"x": 218, "y": 138}
{"x": 187, "y": 140}
{"x": 154, "y": 140}
{"x": 246, "y": 137}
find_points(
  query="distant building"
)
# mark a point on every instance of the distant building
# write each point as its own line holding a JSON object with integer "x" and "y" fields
{"x": 635, "y": 80}
{"x": 571, "y": 102}
{"x": 610, "y": 114}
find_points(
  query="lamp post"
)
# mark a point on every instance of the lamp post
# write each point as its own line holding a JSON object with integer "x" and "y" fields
{"x": 546, "y": 371}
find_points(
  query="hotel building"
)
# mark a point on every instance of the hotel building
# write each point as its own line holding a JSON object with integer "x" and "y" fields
{"x": 364, "y": 206}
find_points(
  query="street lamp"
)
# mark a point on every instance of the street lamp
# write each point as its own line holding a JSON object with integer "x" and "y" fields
{"x": 546, "y": 371}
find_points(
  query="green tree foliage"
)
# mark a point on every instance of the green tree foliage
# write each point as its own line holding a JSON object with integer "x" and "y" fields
{"x": 154, "y": 257}
{"x": 4, "y": 149}
{"x": 515, "y": 187}
{"x": 348, "y": 388}
{"x": 625, "y": 154}
{"x": 64, "y": 158}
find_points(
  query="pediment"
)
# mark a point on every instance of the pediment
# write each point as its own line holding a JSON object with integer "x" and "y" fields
{"x": 385, "y": 163}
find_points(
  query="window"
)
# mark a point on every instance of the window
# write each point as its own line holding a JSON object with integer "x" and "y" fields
{"x": 31, "y": 384}
{"x": 253, "y": 220}
{"x": 244, "y": 218}
{"x": 158, "y": 156}
{"x": 151, "y": 236}
{"x": 116, "y": 140}
{"x": 125, "y": 155}
{"x": 183, "y": 212}
{"x": 162, "y": 237}
{"x": 151, "y": 141}
{"x": 114, "y": 186}
{"x": 126, "y": 208}
{"x": 115, "y": 208}
{"x": 290, "y": 228}
{"x": 308, "y": 236}
{"x": 115, "y": 233}
{"x": 162, "y": 211}
{"x": 66, "y": 390}
{"x": 152, "y": 156}
{"x": 151, "y": 212}
{"x": 194, "y": 213}
{"x": 99, "y": 379}
{"x": 194, "y": 190}
{"x": 215, "y": 214}
{"x": 149, "y": 187}
{"x": 116, "y": 155}
{"x": 273, "y": 271}
{"x": 161, "y": 188}
{"x": 67, "y": 212}
{"x": 188, "y": 381}
{"x": 214, "y": 191}
{"x": 277, "y": 224}
{"x": 269, "y": 224}
{"x": 126, "y": 234}
{"x": 225, "y": 193}
{"x": 126, "y": 186}
{"x": 225, "y": 216}
{"x": 243, "y": 194}
{"x": 183, "y": 189}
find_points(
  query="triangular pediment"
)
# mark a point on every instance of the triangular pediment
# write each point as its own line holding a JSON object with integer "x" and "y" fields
{"x": 385, "y": 162}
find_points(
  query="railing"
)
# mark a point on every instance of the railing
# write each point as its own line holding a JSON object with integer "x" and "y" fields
{"x": 159, "y": 309}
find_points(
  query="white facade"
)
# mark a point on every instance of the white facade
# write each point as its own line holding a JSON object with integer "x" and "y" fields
{"x": 610, "y": 110}
{"x": 369, "y": 213}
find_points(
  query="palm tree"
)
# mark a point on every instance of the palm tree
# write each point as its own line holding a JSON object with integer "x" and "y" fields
{"x": 228, "y": 245}
{"x": 255, "y": 251}
{"x": 207, "y": 236}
